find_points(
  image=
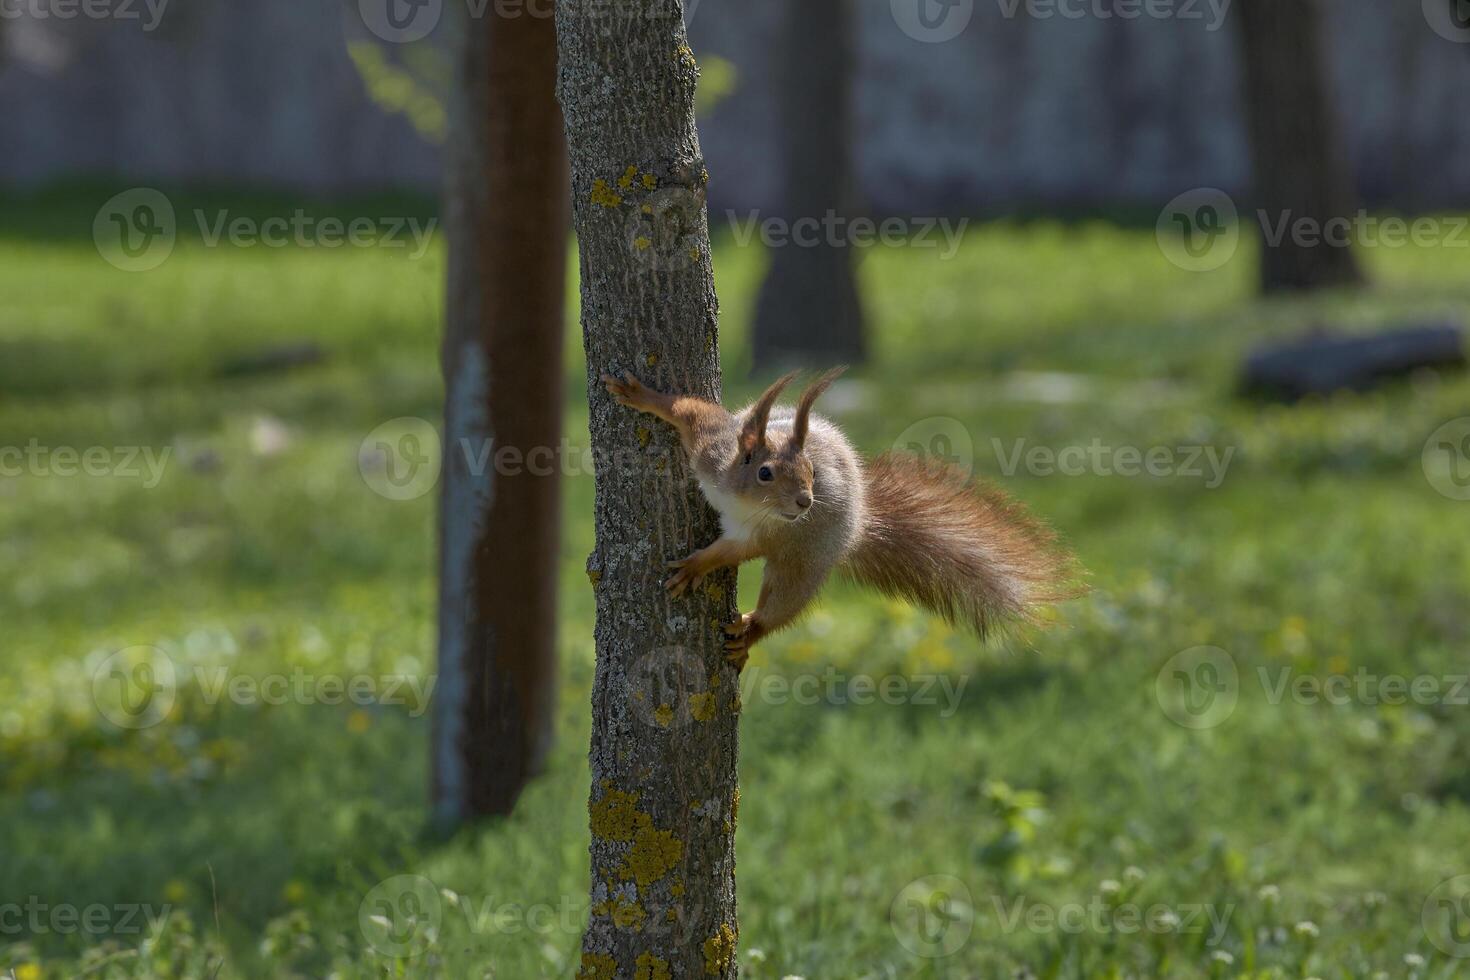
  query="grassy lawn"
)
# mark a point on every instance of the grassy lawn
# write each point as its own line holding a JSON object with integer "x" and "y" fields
{"x": 1044, "y": 785}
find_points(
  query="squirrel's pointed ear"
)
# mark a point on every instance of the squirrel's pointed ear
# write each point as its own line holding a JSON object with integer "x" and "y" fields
{"x": 809, "y": 398}
{"x": 754, "y": 432}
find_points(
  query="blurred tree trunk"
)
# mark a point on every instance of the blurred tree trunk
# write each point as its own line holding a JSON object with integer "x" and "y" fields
{"x": 809, "y": 310}
{"x": 664, "y": 704}
{"x": 1301, "y": 165}
{"x": 506, "y": 217}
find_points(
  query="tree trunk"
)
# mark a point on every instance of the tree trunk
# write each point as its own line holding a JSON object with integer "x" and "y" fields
{"x": 664, "y": 701}
{"x": 507, "y": 216}
{"x": 1302, "y": 175}
{"x": 809, "y": 312}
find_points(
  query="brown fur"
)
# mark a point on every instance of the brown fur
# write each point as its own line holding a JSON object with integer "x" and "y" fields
{"x": 963, "y": 550}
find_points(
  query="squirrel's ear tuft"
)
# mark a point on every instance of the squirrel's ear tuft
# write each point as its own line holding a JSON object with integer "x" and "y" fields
{"x": 754, "y": 432}
{"x": 809, "y": 398}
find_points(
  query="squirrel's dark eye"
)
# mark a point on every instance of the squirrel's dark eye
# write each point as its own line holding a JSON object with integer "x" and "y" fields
{"x": 764, "y": 474}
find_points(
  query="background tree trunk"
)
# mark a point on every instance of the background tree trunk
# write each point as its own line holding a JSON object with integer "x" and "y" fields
{"x": 507, "y": 217}
{"x": 1300, "y": 159}
{"x": 664, "y": 701}
{"x": 809, "y": 312}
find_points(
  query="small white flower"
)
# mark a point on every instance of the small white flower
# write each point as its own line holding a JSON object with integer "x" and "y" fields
{"x": 1109, "y": 887}
{"x": 1269, "y": 894}
{"x": 1133, "y": 874}
{"x": 1222, "y": 957}
{"x": 1306, "y": 929}
{"x": 1414, "y": 961}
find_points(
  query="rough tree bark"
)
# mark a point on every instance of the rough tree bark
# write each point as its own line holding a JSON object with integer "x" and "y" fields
{"x": 664, "y": 700}
{"x": 1297, "y": 148}
{"x": 809, "y": 311}
{"x": 507, "y": 218}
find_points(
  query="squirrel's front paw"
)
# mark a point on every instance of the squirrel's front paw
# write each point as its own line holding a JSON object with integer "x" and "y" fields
{"x": 627, "y": 391}
{"x": 688, "y": 576}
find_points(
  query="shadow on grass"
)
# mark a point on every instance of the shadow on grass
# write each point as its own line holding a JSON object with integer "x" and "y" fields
{"x": 233, "y": 814}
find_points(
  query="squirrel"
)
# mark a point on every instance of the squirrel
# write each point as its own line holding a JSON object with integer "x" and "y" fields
{"x": 791, "y": 489}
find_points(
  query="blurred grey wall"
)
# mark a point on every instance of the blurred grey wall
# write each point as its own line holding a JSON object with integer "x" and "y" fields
{"x": 1015, "y": 109}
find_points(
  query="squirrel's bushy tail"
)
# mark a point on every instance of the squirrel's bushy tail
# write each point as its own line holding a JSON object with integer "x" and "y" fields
{"x": 963, "y": 550}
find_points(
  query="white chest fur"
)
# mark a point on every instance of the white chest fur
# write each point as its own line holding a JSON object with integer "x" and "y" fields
{"x": 737, "y": 518}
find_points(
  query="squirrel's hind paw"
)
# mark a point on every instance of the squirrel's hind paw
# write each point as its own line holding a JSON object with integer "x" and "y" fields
{"x": 742, "y": 634}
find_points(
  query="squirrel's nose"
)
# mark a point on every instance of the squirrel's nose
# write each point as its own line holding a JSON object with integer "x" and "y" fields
{"x": 803, "y": 500}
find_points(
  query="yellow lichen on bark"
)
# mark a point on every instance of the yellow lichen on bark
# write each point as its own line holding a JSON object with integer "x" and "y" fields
{"x": 702, "y": 706}
{"x": 719, "y": 950}
{"x": 654, "y": 854}
{"x": 597, "y": 966}
{"x": 650, "y": 967}
{"x": 615, "y": 816}
{"x": 602, "y": 193}
{"x": 624, "y": 914}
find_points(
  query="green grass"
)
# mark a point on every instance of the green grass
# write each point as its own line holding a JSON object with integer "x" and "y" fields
{"x": 262, "y": 828}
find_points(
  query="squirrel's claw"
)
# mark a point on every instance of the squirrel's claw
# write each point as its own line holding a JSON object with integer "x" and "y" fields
{"x": 684, "y": 578}
{"x": 739, "y": 627}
